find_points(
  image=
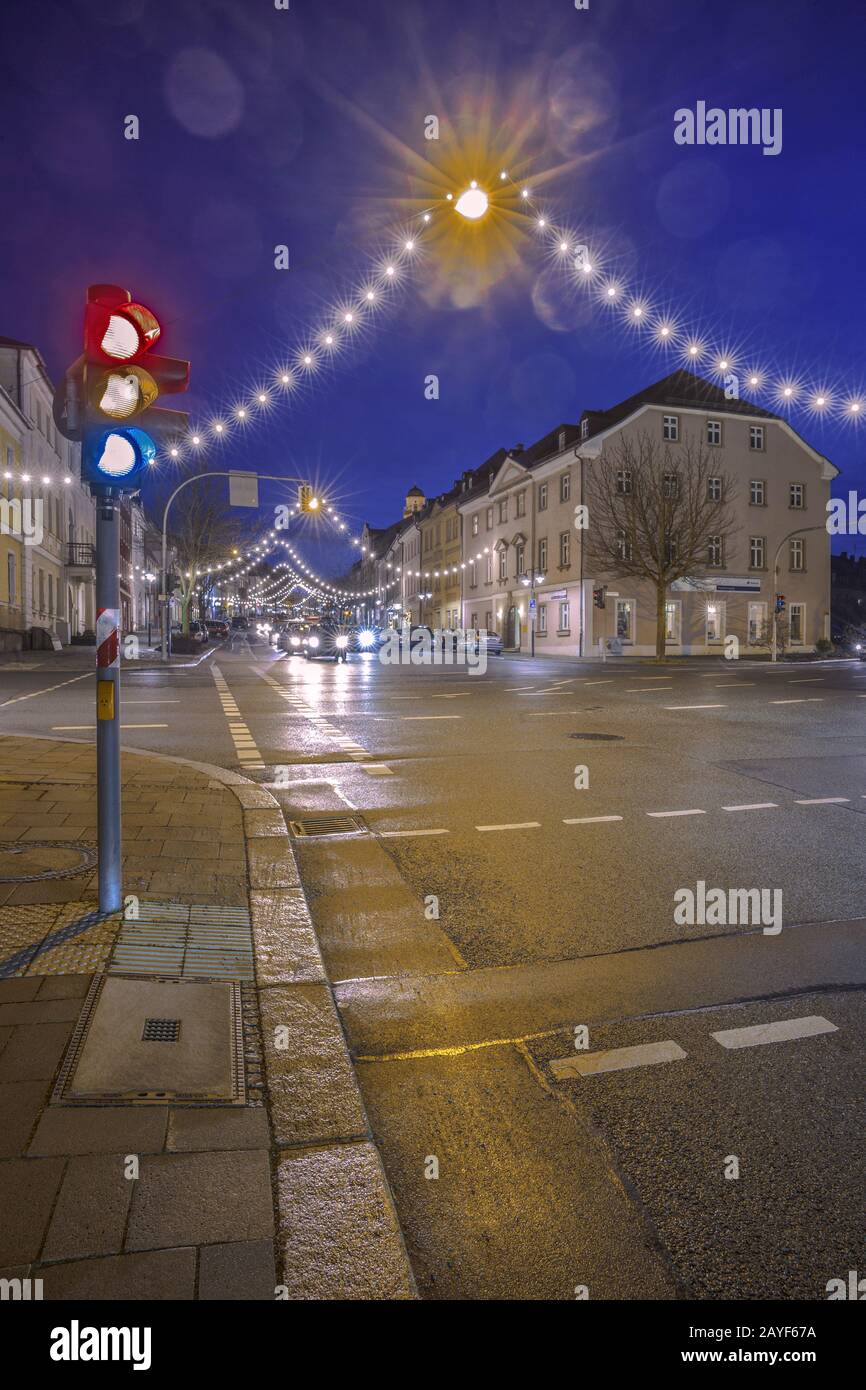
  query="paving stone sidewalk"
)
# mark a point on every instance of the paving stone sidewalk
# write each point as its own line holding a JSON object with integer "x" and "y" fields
{"x": 283, "y": 1197}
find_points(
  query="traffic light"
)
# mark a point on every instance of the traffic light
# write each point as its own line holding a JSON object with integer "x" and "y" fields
{"x": 598, "y": 595}
{"x": 780, "y": 603}
{"x": 116, "y": 381}
{"x": 307, "y": 499}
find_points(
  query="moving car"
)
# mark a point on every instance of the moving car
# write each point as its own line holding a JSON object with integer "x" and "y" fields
{"x": 327, "y": 642}
{"x": 240, "y": 624}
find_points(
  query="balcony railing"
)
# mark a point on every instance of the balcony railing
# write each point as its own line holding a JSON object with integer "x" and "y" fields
{"x": 80, "y": 554}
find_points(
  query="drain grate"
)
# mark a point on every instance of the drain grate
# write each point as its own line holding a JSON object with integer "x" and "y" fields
{"x": 161, "y": 1030}
{"x": 326, "y": 825}
{"x": 599, "y": 738}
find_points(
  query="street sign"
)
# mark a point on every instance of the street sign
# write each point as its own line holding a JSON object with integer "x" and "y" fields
{"x": 243, "y": 490}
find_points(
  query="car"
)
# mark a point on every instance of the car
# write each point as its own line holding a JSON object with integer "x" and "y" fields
{"x": 492, "y": 643}
{"x": 240, "y": 624}
{"x": 197, "y": 631}
{"x": 290, "y": 638}
{"x": 217, "y": 627}
{"x": 327, "y": 642}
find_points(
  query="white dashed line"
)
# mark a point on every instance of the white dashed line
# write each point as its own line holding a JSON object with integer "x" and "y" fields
{"x": 417, "y": 718}
{"x": 617, "y": 1059}
{"x": 517, "y": 825}
{"x": 820, "y": 800}
{"x": 812, "y": 700}
{"x": 754, "y": 806}
{"x": 695, "y": 707}
{"x": 662, "y": 815}
{"x": 733, "y": 685}
{"x": 47, "y": 691}
{"x": 407, "y": 834}
{"x": 590, "y": 820}
{"x": 784, "y": 1031}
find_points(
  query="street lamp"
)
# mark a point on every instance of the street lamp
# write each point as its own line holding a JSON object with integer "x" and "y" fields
{"x": 799, "y": 531}
{"x": 529, "y": 581}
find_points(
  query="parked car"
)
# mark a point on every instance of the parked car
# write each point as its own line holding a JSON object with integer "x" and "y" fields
{"x": 197, "y": 632}
{"x": 492, "y": 643}
{"x": 217, "y": 627}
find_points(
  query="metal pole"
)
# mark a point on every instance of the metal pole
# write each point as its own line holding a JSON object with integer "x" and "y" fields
{"x": 108, "y": 703}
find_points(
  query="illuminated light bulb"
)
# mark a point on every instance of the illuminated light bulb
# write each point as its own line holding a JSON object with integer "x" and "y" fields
{"x": 820, "y": 400}
{"x": 723, "y": 365}
{"x": 542, "y": 222}
{"x": 173, "y": 453}
{"x": 389, "y": 270}
{"x": 285, "y": 378}
{"x": 426, "y": 217}
{"x": 563, "y": 246}
{"x": 611, "y": 291}
{"x": 329, "y": 338}
{"x": 753, "y": 381}
{"x": 525, "y": 193}
{"x": 370, "y": 295}
{"x": 307, "y": 359}
{"x": 348, "y": 318}
{"x": 410, "y": 246}
{"x": 473, "y": 203}
{"x": 664, "y": 331}
{"x": 449, "y": 197}
{"x": 503, "y": 174}
{"x": 45, "y": 478}
{"x": 218, "y": 429}
{"x": 196, "y": 439}
{"x": 693, "y": 350}
{"x": 242, "y": 414}
{"x": 66, "y": 480}
{"x": 854, "y": 407}
{"x": 637, "y": 312}
{"x": 788, "y": 391}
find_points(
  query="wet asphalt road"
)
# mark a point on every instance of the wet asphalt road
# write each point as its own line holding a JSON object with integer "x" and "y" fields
{"x": 514, "y": 882}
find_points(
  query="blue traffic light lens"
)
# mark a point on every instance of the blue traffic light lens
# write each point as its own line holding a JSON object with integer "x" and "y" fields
{"x": 119, "y": 455}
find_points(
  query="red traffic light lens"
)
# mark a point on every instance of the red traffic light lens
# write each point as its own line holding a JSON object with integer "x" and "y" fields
{"x": 121, "y": 332}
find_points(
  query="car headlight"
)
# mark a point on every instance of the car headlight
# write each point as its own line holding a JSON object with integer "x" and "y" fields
{"x": 314, "y": 641}
{"x": 366, "y": 639}
{"x": 342, "y": 641}
{"x": 296, "y": 641}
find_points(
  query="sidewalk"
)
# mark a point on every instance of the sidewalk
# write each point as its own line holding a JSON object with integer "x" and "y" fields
{"x": 264, "y": 1184}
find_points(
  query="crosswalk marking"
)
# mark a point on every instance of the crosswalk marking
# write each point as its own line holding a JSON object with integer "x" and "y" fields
{"x": 617, "y": 1059}
{"x": 785, "y": 1030}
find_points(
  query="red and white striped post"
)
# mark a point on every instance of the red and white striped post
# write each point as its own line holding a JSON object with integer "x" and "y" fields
{"x": 108, "y": 703}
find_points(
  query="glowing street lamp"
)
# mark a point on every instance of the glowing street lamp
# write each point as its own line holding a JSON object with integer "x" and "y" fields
{"x": 473, "y": 203}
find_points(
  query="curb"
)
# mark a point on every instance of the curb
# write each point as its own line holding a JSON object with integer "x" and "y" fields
{"x": 338, "y": 1235}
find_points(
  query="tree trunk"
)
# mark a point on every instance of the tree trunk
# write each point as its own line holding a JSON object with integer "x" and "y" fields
{"x": 661, "y": 594}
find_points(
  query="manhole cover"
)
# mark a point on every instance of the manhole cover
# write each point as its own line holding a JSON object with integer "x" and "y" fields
{"x": 326, "y": 825}
{"x": 30, "y": 861}
{"x": 599, "y": 738}
{"x": 112, "y": 1060}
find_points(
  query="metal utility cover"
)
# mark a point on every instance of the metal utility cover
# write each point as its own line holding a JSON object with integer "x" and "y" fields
{"x": 110, "y": 1060}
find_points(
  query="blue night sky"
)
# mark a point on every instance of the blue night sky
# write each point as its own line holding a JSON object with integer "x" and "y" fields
{"x": 260, "y": 127}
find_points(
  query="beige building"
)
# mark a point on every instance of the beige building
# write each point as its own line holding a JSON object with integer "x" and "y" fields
{"x": 526, "y": 573}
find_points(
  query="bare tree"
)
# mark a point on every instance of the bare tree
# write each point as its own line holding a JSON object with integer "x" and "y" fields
{"x": 658, "y": 513}
{"x": 203, "y": 534}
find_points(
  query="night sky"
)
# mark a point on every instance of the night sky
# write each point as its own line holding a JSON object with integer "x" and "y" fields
{"x": 260, "y": 127}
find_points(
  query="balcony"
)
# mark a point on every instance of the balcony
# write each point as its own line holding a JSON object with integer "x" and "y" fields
{"x": 80, "y": 557}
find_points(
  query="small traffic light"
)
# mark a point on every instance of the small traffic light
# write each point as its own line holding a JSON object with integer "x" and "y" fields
{"x": 108, "y": 386}
{"x": 598, "y": 595}
{"x": 780, "y": 603}
{"x": 307, "y": 499}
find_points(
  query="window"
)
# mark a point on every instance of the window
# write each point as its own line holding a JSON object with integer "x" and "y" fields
{"x": 521, "y": 559}
{"x": 564, "y": 549}
{"x": 564, "y": 615}
{"x": 715, "y": 622}
{"x": 623, "y": 545}
{"x": 797, "y": 622}
{"x": 474, "y": 621}
{"x": 565, "y": 487}
{"x": 715, "y": 557}
{"x": 714, "y": 433}
{"x": 670, "y": 484}
{"x": 623, "y": 481}
{"x": 12, "y": 577}
{"x": 503, "y": 510}
{"x": 473, "y": 575}
{"x": 490, "y": 518}
{"x": 488, "y": 569}
{"x": 503, "y": 564}
{"x": 521, "y": 504}
{"x": 673, "y": 610}
{"x": 757, "y": 552}
{"x": 757, "y": 622}
{"x": 542, "y": 619}
{"x": 671, "y": 552}
{"x": 584, "y": 429}
{"x": 756, "y": 437}
{"x": 714, "y": 489}
{"x": 797, "y": 496}
{"x": 475, "y": 520}
{"x": 757, "y": 492}
{"x": 625, "y": 619}
{"x": 671, "y": 428}
{"x": 542, "y": 497}
{"x": 488, "y": 621}
{"x": 561, "y": 440}
{"x": 542, "y": 556}
{"x": 797, "y": 553}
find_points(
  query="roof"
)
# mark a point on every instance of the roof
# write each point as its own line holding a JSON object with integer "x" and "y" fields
{"x": 681, "y": 388}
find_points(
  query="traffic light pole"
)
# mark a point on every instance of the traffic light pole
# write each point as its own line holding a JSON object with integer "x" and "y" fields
{"x": 108, "y": 702}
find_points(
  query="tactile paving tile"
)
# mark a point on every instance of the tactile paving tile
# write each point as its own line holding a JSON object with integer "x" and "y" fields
{"x": 200, "y": 941}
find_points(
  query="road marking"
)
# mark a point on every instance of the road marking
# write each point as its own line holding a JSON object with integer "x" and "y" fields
{"x": 378, "y": 770}
{"x": 645, "y": 690}
{"x": 813, "y": 700}
{"x": 47, "y": 691}
{"x": 151, "y": 702}
{"x": 617, "y": 1059}
{"x": 589, "y": 820}
{"x": 246, "y": 751}
{"x": 785, "y": 1030}
{"x": 807, "y": 680}
{"x": 68, "y": 728}
{"x": 414, "y": 718}
{"x": 754, "y": 806}
{"x": 604, "y": 682}
{"x": 517, "y": 825}
{"x": 661, "y": 815}
{"x": 695, "y": 707}
{"x": 733, "y": 685}
{"x": 407, "y": 834}
{"x": 820, "y": 800}
{"x": 520, "y": 688}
